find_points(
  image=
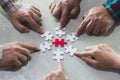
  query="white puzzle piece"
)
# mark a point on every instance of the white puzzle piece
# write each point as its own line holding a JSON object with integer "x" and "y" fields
{"x": 60, "y": 33}
{"x": 45, "y": 46}
{"x": 71, "y": 37}
{"x": 58, "y": 55}
{"x": 47, "y": 36}
{"x": 70, "y": 50}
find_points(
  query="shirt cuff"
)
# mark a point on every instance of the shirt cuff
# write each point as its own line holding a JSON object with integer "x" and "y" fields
{"x": 1, "y": 52}
{"x": 111, "y": 11}
{"x": 10, "y": 6}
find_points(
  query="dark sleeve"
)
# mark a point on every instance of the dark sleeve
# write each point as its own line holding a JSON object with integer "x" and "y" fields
{"x": 113, "y": 7}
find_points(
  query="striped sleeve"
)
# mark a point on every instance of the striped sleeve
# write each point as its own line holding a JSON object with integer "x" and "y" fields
{"x": 113, "y": 7}
{"x": 10, "y": 6}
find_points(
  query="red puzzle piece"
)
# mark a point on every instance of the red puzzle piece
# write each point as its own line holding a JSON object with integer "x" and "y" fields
{"x": 58, "y": 42}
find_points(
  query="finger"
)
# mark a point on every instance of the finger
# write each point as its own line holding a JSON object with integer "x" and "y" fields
{"x": 84, "y": 54}
{"x": 64, "y": 18}
{"x": 84, "y": 16}
{"x": 57, "y": 12}
{"x": 20, "y": 27}
{"x": 89, "y": 61}
{"x": 36, "y": 8}
{"x": 24, "y": 51}
{"x": 30, "y": 47}
{"x": 74, "y": 12}
{"x": 35, "y": 17}
{"x": 59, "y": 63}
{"x": 36, "y": 12}
{"x": 52, "y": 7}
{"x": 17, "y": 63}
{"x": 22, "y": 58}
{"x": 103, "y": 30}
{"x": 90, "y": 26}
{"x": 97, "y": 29}
{"x": 82, "y": 26}
{"x": 34, "y": 25}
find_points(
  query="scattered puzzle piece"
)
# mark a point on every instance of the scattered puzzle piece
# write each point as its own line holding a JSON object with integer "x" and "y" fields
{"x": 71, "y": 38}
{"x": 58, "y": 42}
{"x": 58, "y": 55}
{"x": 70, "y": 50}
{"x": 60, "y": 33}
{"x": 45, "y": 46}
{"x": 47, "y": 36}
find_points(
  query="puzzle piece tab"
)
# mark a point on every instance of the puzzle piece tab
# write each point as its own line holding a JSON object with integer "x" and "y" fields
{"x": 58, "y": 55}
{"x": 58, "y": 42}
{"x": 60, "y": 33}
{"x": 71, "y": 37}
{"x": 45, "y": 46}
{"x": 70, "y": 50}
{"x": 47, "y": 36}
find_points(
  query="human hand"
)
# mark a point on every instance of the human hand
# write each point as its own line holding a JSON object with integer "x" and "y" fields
{"x": 65, "y": 10}
{"x": 96, "y": 21}
{"x": 16, "y": 53}
{"x": 100, "y": 56}
{"x": 57, "y": 75}
{"x": 29, "y": 15}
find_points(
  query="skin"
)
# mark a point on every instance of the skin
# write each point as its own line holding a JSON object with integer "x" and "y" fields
{"x": 96, "y": 21}
{"x": 64, "y": 10}
{"x": 100, "y": 56}
{"x": 58, "y": 74}
{"x": 26, "y": 14}
{"x": 16, "y": 53}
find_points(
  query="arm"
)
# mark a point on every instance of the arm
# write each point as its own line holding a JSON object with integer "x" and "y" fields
{"x": 113, "y": 7}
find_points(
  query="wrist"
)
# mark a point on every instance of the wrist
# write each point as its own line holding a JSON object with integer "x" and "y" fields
{"x": 116, "y": 62}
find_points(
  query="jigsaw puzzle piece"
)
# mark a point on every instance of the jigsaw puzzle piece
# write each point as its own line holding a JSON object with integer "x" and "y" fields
{"x": 47, "y": 36}
{"x": 71, "y": 37}
{"x": 58, "y": 55}
{"x": 45, "y": 47}
{"x": 59, "y": 32}
{"x": 70, "y": 50}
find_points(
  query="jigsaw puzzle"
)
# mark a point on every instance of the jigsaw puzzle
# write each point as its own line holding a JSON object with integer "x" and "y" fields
{"x": 45, "y": 46}
{"x": 47, "y": 36}
{"x": 60, "y": 33}
{"x": 71, "y": 37}
{"x": 58, "y": 55}
{"x": 70, "y": 50}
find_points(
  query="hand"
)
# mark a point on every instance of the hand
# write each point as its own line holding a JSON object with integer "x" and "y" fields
{"x": 96, "y": 21}
{"x": 29, "y": 15}
{"x": 57, "y": 75}
{"x": 65, "y": 10}
{"x": 100, "y": 56}
{"x": 16, "y": 53}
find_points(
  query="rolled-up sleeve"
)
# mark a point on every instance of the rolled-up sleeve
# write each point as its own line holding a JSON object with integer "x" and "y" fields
{"x": 10, "y": 6}
{"x": 113, "y": 7}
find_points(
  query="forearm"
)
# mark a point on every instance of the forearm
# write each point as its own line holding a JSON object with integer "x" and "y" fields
{"x": 113, "y": 7}
{"x": 10, "y": 6}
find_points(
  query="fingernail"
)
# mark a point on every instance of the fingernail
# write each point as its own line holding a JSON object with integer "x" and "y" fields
{"x": 41, "y": 31}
